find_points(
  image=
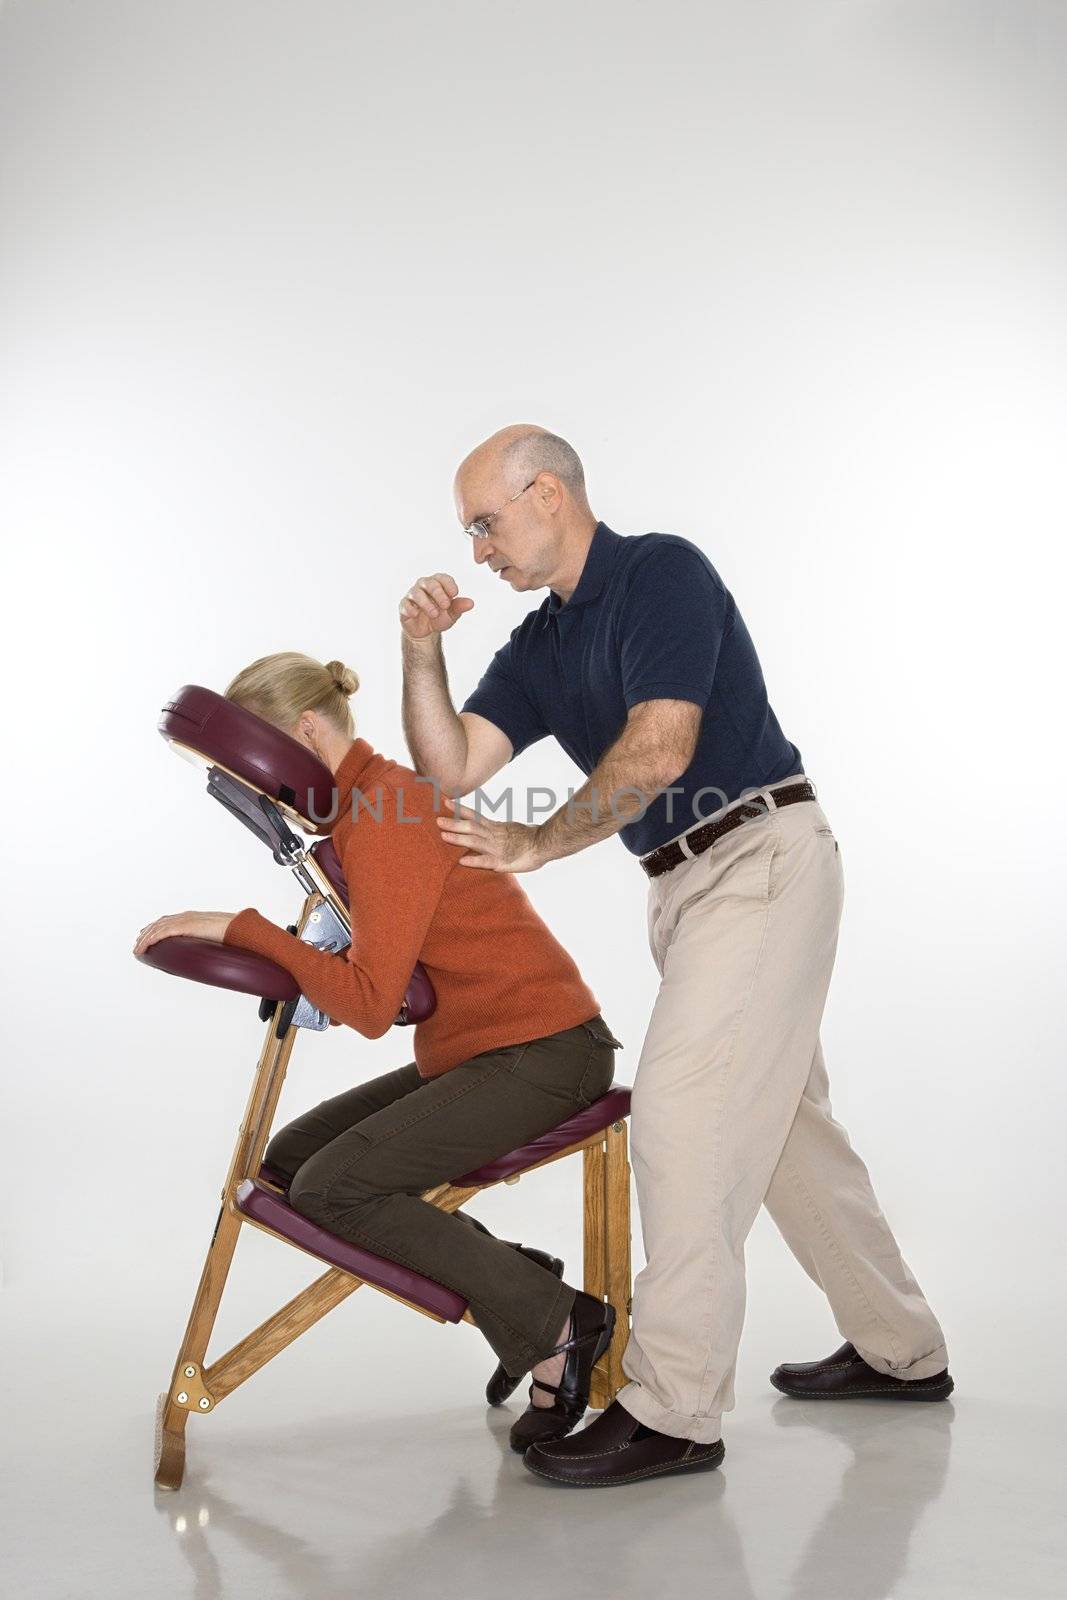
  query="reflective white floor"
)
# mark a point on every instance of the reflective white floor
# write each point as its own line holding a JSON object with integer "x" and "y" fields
{"x": 364, "y": 1461}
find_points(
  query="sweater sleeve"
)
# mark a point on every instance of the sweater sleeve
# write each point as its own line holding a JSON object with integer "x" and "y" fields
{"x": 395, "y": 874}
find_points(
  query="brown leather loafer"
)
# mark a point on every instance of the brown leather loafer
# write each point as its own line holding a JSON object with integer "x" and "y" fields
{"x": 616, "y": 1448}
{"x": 846, "y": 1376}
{"x": 592, "y": 1325}
{"x": 502, "y": 1384}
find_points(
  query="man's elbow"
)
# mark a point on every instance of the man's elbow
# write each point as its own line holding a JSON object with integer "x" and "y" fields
{"x": 655, "y": 774}
{"x": 443, "y": 779}
{"x": 664, "y": 774}
{"x": 663, "y": 737}
{"x": 671, "y": 766}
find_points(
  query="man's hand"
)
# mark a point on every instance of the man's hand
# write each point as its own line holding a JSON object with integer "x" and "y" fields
{"x": 200, "y": 924}
{"x": 497, "y": 846}
{"x": 654, "y": 748}
{"x": 432, "y": 605}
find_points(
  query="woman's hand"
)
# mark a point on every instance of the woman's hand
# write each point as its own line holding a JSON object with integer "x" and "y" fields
{"x": 499, "y": 846}
{"x": 201, "y": 924}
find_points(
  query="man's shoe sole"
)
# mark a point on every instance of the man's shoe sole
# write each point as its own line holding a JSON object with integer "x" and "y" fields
{"x": 919, "y": 1389}
{"x": 702, "y": 1464}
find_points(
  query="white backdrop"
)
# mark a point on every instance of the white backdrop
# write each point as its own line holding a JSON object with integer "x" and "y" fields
{"x": 790, "y": 277}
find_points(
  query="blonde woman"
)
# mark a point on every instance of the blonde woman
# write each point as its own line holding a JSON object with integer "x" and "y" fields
{"x": 515, "y": 1046}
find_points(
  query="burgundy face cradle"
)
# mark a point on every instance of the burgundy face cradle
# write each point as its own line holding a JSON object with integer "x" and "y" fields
{"x": 207, "y": 726}
{"x": 265, "y": 779}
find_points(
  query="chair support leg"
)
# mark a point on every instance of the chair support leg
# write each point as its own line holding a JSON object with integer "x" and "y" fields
{"x": 172, "y": 1414}
{"x": 607, "y": 1250}
{"x": 594, "y": 1252}
{"x": 617, "y": 1252}
{"x": 260, "y": 1346}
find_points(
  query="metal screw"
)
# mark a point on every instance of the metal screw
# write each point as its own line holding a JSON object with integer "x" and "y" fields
{"x": 190, "y": 1372}
{"x": 182, "y": 1398}
{"x": 205, "y": 1402}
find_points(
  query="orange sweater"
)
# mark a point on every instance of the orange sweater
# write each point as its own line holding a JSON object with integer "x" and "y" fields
{"x": 499, "y": 974}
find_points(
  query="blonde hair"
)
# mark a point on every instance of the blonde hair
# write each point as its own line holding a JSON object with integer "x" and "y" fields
{"x": 281, "y": 687}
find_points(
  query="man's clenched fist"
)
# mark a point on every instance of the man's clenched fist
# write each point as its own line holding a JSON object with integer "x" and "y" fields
{"x": 432, "y": 605}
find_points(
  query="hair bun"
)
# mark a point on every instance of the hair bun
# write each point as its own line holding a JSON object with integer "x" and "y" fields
{"x": 345, "y": 679}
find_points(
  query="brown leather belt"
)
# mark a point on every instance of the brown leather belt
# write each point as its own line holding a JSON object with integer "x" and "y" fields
{"x": 705, "y": 834}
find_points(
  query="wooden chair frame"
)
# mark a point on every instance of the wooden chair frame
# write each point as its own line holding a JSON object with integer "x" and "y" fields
{"x": 196, "y": 1387}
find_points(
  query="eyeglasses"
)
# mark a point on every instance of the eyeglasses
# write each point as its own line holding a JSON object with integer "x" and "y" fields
{"x": 479, "y": 529}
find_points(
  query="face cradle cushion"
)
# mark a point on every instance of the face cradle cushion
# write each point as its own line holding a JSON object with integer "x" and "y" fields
{"x": 208, "y": 728}
{"x": 212, "y": 731}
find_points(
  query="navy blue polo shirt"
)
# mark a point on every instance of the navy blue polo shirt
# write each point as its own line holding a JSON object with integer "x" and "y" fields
{"x": 650, "y": 619}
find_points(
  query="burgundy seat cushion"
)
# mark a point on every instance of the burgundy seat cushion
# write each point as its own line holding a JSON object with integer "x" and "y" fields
{"x": 254, "y": 750}
{"x": 224, "y": 966}
{"x": 261, "y": 1204}
{"x": 611, "y": 1107}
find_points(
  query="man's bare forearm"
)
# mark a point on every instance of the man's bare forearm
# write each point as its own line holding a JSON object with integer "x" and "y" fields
{"x": 654, "y": 748}
{"x": 436, "y": 739}
{"x": 625, "y": 780}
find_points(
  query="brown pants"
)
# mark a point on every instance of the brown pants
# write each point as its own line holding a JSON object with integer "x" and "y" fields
{"x": 360, "y": 1161}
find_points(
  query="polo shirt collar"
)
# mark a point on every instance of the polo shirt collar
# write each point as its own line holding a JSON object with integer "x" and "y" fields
{"x": 594, "y": 574}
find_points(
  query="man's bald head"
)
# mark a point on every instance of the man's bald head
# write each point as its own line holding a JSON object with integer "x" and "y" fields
{"x": 516, "y": 454}
{"x": 530, "y": 538}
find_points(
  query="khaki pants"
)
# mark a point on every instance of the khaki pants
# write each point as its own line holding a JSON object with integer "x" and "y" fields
{"x": 731, "y": 1110}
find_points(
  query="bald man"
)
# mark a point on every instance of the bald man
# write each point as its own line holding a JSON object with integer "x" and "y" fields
{"x": 639, "y": 663}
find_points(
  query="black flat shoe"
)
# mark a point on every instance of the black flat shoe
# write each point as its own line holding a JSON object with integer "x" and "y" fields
{"x": 501, "y": 1384}
{"x": 616, "y": 1448}
{"x": 592, "y": 1324}
{"x": 846, "y": 1376}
